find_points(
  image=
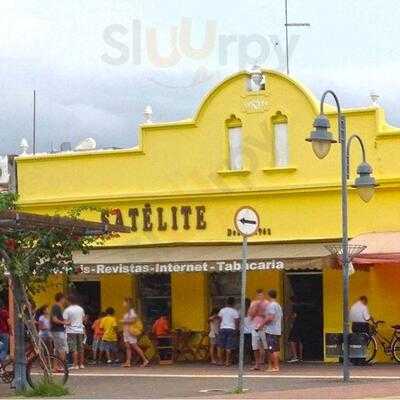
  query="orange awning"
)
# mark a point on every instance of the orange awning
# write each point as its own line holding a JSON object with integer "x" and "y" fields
{"x": 382, "y": 248}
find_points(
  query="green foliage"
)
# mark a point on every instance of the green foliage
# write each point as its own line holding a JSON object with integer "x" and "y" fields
{"x": 32, "y": 255}
{"x": 7, "y": 201}
{"x": 46, "y": 388}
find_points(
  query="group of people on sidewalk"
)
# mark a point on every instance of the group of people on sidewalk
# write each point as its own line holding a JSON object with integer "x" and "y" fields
{"x": 63, "y": 328}
{"x": 262, "y": 329}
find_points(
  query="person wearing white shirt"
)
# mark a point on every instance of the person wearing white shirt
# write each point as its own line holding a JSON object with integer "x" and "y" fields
{"x": 273, "y": 330}
{"x": 75, "y": 330}
{"x": 227, "y": 335}
{"x": 359, "y": 316}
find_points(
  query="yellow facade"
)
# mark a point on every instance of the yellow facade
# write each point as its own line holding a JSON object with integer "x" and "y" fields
{"x": 183, "y": 169}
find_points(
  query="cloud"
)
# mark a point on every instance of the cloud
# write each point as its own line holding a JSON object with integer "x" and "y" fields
{"x": 56, "y": 48}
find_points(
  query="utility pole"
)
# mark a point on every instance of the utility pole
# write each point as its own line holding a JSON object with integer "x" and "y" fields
{"x": 287, "y": 25}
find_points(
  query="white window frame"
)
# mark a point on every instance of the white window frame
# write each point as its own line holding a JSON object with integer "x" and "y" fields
{"x": 235, "y": 137}
{"x": 281, "y": 144}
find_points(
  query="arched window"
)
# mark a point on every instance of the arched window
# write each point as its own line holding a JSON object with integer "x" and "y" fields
{"x": 281, "y": 139}
{"x": 234, "y": 128}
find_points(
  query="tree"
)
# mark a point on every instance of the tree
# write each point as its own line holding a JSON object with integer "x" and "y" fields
{"x": 33, "y": 247}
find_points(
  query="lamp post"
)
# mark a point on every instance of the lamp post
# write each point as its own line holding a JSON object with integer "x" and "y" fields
{"x": 321, "y": 140}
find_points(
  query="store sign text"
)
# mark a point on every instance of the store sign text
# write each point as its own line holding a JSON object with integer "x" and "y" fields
{"x": 148, "y": 218}
{"x": 190, "y": 266}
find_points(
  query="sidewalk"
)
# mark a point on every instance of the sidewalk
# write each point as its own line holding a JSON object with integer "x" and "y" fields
{"x": 306, "y": 381}
{"x": 301, "y": 371}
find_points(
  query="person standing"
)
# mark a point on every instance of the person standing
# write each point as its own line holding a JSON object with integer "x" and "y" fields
{"x": 75, "y": 315}
{"x": 227, "y": 336}
{"x": 297, "y": 334}
{"x": 213, "y": 323}
{"x": 57, "y": 326}
{"x": 131, "y": 341}
{"x": 258, "y": 337}
{"x": 109, "y": 327}
{"x": 273, "y": 330}
{"x": 247, "y": 331}
{"x": 44, "y": 325}
{"x": 97, "y": 343}
{"x": 4, "y": 332}
{"x": 359, "y": 316}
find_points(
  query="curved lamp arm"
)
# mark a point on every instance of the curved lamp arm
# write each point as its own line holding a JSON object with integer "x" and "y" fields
{"x": 333, "y": 94}
{"x": 341, "y": 118}
{"x": 361, "y": 143}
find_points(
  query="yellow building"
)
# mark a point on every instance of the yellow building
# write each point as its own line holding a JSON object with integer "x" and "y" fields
{"x": 179, "y": 190}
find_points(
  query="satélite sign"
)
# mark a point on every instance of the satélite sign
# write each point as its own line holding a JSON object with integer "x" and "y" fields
{"x": 247, "y": 221}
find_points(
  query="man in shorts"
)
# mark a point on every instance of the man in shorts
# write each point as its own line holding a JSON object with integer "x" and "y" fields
{"x": 258, "y": 338}
{"x": 75, "y": 315}
{"x": 227, "y": 335}
{"x": 57, "y": 326}
{"x": 273, "y": 330}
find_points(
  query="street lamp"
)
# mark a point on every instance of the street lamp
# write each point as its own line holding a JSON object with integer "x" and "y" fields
{"x": 321, "y": 140}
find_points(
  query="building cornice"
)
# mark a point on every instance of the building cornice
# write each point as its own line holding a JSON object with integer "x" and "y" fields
{"x": 384, "y": 184}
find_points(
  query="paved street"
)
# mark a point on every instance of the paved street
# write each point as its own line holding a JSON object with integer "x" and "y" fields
{"x": 199, "y": 381}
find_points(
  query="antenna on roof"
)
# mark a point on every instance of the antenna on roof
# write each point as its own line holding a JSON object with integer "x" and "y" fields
{"x": 148, "y": 114}
{"x": 287, "y": 25}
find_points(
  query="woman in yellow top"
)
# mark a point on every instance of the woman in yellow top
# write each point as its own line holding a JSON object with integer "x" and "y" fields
{"x": 109, "y": 326}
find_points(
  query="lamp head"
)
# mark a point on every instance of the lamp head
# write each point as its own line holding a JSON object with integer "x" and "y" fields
{"x": 321, "y": 138}
{"x": 365, "y": 183}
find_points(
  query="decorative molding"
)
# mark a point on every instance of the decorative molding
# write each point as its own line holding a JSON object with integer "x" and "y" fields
{"x": 255, "y": 104}
{"x": 289, "y": 168}
{"x": 317, "y": 187}
{"x": 388, "y": 135}
{"x": 234, "y": 172}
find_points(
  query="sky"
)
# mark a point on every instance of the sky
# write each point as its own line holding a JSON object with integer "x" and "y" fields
{"x": 96, "y": 64}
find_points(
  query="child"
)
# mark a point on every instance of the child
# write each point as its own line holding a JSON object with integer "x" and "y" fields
{"x": 109, "y": 326}
{"x": 97, "y": 344}
{"x": 213, "y": 323}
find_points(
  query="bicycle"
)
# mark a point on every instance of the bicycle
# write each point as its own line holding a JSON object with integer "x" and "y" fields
{"x": 36, "y": 369}
{"x": 390, "y": 345}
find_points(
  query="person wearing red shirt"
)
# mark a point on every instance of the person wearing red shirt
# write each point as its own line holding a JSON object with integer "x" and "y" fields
{"x": 161, "y": 326}
{"x": 4, "y": 332}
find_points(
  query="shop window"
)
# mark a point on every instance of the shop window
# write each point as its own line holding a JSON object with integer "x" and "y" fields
{"x": 154, "y": 297}
{"x": 281, "y": 140}
{"x": 223, "y": 285}
{"x": 234, "y": 126}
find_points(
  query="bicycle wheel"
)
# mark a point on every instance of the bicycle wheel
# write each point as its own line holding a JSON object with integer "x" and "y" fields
{"x": 396, "y": 349}
{"x": 371, "y": 349}
{"x": 8, "y": 371}
{"x": 36, "y": 372}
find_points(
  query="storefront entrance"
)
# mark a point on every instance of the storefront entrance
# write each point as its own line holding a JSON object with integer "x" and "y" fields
{"x": 89, "y": 293}
{"x": 303, "y": 291}
{"x": 154, "y": 297}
